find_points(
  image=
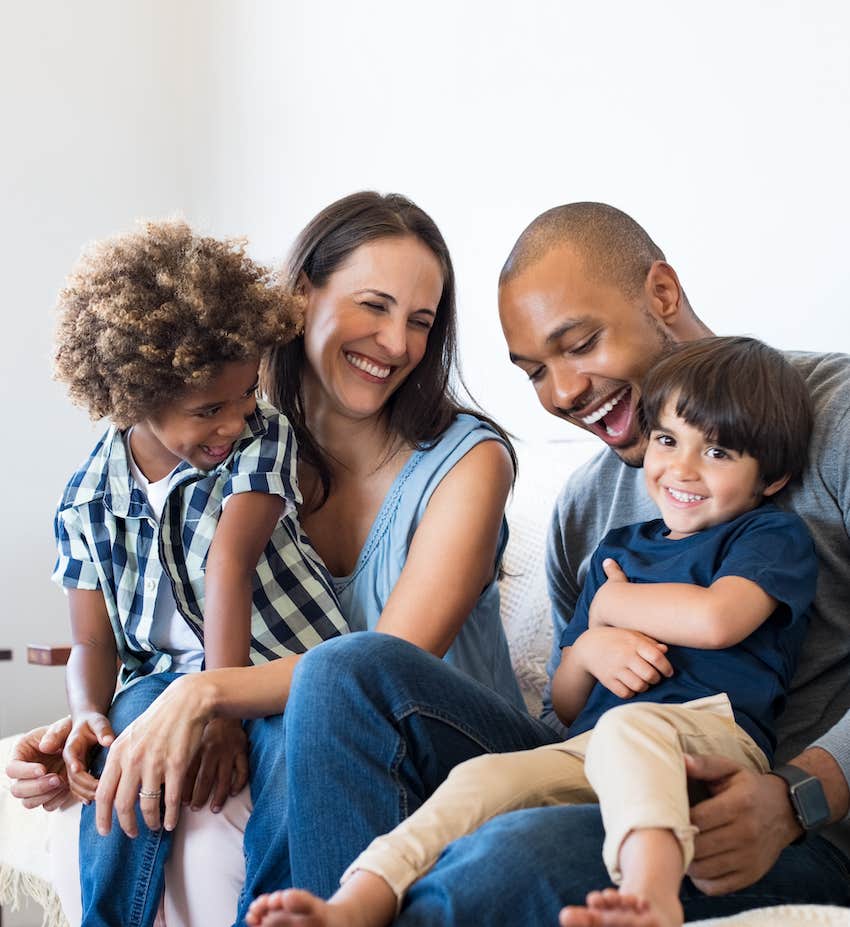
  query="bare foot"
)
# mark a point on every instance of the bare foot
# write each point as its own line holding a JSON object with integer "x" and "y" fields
{"x": 612, "y": 908}
{"x": 294, "y": 908}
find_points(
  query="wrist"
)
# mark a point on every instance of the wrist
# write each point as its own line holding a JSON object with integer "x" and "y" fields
{"x": 83, "y": 713}
{"x": 206, "y": 696}
{"x": 804, "y": 802}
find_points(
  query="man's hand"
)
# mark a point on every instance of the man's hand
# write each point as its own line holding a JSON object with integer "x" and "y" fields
{"x": 743, "y": 826}
{"x": 89, "y": 730}
{"x": 220, "y": 767}
{"x": 596, "y": 614}
{"x": 36, "y": 767}
{"x": 626, "y": 662}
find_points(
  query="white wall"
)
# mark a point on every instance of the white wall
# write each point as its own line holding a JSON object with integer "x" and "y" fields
{"x": 724, "y": 128}
{"x": 96, "y": 131}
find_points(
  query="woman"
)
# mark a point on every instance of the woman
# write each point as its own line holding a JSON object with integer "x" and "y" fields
{"x": 404, "y": 493}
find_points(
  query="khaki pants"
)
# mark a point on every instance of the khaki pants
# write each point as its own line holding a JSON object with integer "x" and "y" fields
{"x": 631, "y": 763}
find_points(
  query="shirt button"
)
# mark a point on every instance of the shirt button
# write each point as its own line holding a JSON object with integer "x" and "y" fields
{"x": 150, "y": 585}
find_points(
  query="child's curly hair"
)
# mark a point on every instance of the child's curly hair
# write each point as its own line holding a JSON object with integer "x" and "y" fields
{"x": 146, "y": 315}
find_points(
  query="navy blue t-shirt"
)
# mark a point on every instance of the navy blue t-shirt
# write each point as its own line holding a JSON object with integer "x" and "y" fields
{"x": 771, "y": 548}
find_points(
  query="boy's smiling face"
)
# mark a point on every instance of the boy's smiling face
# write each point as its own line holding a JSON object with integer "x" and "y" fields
{"x": 200, "y": 426}
{"x": 696, "y": 483}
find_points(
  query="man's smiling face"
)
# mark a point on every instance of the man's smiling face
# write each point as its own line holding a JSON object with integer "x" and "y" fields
{"x": 586, "y": 345}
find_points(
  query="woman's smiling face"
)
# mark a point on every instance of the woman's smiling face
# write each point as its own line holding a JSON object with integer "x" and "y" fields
{"x": 367, "y": 327}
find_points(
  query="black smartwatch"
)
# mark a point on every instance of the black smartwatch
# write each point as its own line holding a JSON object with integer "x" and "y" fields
{"x": 807, "y": 798}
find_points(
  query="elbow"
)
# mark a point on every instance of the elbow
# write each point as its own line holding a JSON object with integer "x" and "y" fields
{"x": 563, "y": 706}
{"x": 717, "y": 631}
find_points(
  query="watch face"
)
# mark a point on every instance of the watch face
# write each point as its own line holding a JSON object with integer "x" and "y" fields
{"x": 810, "y": 803}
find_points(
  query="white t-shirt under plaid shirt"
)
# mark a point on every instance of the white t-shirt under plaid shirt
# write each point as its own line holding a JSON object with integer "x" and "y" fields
{"x": 109, "y": 539}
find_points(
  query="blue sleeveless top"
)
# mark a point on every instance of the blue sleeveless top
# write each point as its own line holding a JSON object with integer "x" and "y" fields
{"x": 480, "y": 648}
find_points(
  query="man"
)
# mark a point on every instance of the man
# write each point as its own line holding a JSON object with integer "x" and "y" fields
{"x": 587, "y": 302}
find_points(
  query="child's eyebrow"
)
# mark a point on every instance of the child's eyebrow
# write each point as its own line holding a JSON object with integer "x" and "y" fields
{"x": 221, "y": 402}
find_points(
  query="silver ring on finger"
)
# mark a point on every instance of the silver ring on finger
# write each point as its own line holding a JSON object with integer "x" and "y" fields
{"x": 150, "y": 793}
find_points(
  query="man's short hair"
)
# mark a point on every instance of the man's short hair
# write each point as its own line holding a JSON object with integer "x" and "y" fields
{"x": 739, "y": 392}
{"x": 614, "y": 248}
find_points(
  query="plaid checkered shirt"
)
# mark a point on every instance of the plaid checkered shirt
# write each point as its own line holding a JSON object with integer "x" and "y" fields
{"x": 108, "y": 539}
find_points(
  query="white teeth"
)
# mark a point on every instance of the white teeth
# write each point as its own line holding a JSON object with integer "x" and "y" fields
{"x": 602, "y": 411}
{"x": 684, "y": 496}
{"x": 362, "y": 364}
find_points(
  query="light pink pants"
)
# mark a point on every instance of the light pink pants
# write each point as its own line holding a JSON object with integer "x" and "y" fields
{"x": 203, "y": 877}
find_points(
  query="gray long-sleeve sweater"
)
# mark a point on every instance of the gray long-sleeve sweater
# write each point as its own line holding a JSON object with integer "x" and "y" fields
{"x": 606, "y": 494}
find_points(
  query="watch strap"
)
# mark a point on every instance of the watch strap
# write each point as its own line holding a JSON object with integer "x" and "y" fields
{"x": 797, "y": 779}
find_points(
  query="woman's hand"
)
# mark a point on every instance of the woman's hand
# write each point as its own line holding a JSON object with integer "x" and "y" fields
{"x": 153, "y": 755}
{"x": 625, "y": 662}
{"x": 37, "y": 769}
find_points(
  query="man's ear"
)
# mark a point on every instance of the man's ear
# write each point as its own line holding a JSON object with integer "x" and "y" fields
{"x": 664, "y": 293}
{"x": 776, "y": 485}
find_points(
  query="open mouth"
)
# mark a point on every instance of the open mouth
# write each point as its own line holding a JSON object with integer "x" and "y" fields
{"x": 612, "y": 421}
{"x": 378, "y": 371}
{"x": 217, "y": 451}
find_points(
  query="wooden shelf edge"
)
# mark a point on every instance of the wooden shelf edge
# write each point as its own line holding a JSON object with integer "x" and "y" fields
{"x": 45, "y": 655}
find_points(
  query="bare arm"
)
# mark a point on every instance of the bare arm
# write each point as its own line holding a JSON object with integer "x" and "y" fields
{"x": 453, "y": 550}
{"x": 571, "y": 685}
{"x": 90, "y": 680}
{"x": 220, "y": 766}
{"x": 244, "y": 530}
{"x": 91, "y": 673}
{"x": 710, "y": 618}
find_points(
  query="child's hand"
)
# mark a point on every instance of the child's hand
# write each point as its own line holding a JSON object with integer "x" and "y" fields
{"x": 596, "y": 614}
{"x": 89, "y": 730}
{"x": 220, "y": 767}
{"x": 624, "y": 661}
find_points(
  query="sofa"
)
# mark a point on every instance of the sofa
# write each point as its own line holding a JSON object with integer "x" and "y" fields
{"x": 30, "y": 841}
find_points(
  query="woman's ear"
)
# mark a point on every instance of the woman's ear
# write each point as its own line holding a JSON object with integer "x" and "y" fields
{"x": 303, "y": 287}
{"x": 776, "y": 485}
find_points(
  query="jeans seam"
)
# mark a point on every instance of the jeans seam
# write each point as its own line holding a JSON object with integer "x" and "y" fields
{"x": 401, "y": 749}
{"x": 446, "y": 718}
{"x": 152, "y": 844}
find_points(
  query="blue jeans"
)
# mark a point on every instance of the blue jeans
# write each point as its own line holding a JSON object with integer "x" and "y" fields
{"x": 374, "y": 725}
{"x": 122, "y": 878}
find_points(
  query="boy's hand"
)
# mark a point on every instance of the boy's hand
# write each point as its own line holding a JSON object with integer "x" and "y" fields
{"x": 625, "y": 662}
{"x": 220, "y": 767}
{"x": 89, "y": 730}
{"x": 596, "y": 615}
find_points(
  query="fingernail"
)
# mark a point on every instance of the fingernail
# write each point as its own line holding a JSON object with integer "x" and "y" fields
{"x": 216, "y": 809}
{"x": 195, "y": 808}
{"x": 54, "y": 782}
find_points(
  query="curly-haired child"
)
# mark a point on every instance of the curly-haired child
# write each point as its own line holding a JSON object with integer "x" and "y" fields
{"x": 172, "y": 543}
